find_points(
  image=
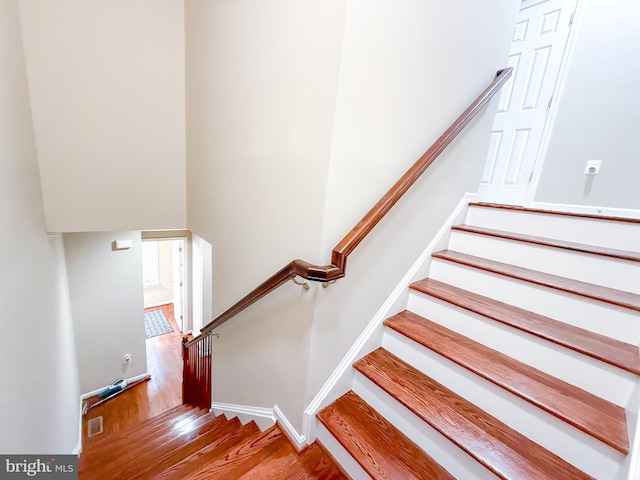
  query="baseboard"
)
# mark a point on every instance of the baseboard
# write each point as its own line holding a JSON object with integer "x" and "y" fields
{"x": 264, "y": 417}
{"x": 298, "y": 441}
{"x": 78, "y": 449}
{"x": 84, "y": 396}
{"x": 338, "y": 382}
{"x": 588, "y": 209}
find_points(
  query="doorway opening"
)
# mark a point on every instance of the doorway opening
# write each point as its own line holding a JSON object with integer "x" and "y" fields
{"x": 164, "y": 276}
{"x": 165, "y": 289}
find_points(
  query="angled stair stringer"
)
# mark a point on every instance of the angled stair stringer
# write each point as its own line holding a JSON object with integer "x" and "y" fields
{"x": 507, "y": 363}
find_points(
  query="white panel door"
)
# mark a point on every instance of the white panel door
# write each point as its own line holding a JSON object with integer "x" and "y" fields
{"x": 537, "y": 50}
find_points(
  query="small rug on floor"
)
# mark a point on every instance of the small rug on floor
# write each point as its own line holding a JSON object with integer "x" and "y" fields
{"x": 156, "y": 323}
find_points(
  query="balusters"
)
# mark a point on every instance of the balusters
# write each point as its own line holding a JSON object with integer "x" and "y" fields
{"x": 196, "y": 372}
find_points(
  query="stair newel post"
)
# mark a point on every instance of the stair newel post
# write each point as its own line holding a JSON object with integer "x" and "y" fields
{"x": 199, "y": 367}
{"x": 206, "y": 400}
{"x": 197, "y": 371}
{"x": 185, "y": 371}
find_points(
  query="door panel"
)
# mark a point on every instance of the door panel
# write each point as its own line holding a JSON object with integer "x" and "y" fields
{"x": 537, "y": 51}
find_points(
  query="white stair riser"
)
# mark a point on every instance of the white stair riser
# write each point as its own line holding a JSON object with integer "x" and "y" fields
{"x": 600, "y": 317}
{"x": 578, "y": 448}
{"x": 340, "y": 454}
{"x": 446, "y": 453}
{"x": 597, "y": 269}
{"x": 611, "y": 234}
{"x": 594, "y": 376}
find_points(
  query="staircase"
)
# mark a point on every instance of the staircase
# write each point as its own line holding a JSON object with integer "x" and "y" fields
{"x": 188, "y": 442}
{"x": 516, "y": 359}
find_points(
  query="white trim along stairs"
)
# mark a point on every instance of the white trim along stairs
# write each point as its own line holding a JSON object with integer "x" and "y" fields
{"x": 509, "y": 350}
{"x": 513, "y": 354}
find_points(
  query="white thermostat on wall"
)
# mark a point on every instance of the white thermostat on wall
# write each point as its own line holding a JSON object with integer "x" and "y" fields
{"x": 123, "y": 244}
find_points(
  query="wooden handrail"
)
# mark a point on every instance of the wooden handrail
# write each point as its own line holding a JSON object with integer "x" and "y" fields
{"x": 342, "y": 250}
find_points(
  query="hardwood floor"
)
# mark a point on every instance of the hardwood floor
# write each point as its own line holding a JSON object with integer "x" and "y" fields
{"x": 188, "y": 442}
{"x": 160, "y": 393}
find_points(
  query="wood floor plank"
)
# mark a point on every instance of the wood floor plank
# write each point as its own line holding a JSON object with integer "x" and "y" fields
{"x": 553, "y": 243}
{"x": 504, "y": 451}
{"x": 585, "y": 411}
{"x": 380, "y": 448}
{"x": 584, "y": 289}
{"x": 606, "y": 349}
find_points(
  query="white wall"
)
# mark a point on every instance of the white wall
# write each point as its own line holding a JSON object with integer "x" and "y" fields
{"x": 409, "y": 68}
{"x": 201, "y": 282}
{"x": 598, "y": 113}
{"x": 105, "y": 286}
{"x": 107, "y": 91}
{"x": 301, "y": 115}
{"x": 261, "y": 89}
{"x": 39, "y": 405}
{"x": 162, "y": 293}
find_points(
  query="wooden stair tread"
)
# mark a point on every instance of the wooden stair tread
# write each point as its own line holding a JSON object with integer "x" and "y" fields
{"x": 243, "y": 457}
{"x": 585, "y": 411}
{"x": 208, "y": 447}
{"x": 314, "y": 462}
{"x": 231, "y": 435}
{"x": 171, "y": 453}
{"x": 382, "y": 450}
{"x": 501, "y": 449}
{"x": 191, "y": 458}
{"x": 274, "y": 466}
{"x": 130, "y": 438}
{"x": 126, "y": 452}
{"x": 589, "y": 290}
{"x": 606, "y": 349}
{"x": 147, "y": 427}
{"x": 143, "y": 438}
{"x": 517, "y": 208}
{"x": 548, "y": 242}
{"x": 100, "y": 450}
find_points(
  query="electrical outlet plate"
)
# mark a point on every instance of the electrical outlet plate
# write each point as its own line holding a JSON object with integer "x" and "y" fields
{"x": 592, "y": 167}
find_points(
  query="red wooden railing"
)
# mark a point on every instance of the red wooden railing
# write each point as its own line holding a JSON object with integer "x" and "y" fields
{"x": 197, "y": 352}
{"x": 196, "y": 371}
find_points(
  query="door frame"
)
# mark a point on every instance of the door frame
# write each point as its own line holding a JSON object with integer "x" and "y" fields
{"x": 185, "y": 235}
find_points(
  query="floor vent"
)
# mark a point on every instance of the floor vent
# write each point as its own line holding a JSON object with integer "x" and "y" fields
{"x": 94, "y": 426}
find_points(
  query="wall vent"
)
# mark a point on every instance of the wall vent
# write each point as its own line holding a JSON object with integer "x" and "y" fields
{"x": 94, "y": 426}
